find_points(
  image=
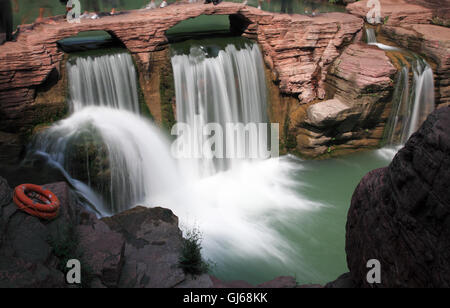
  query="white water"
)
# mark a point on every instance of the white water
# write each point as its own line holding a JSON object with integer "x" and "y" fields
{"x": 231, "y": 208}
{"x": 228, "y": 88}
{"x": 411, "y": 104}
{"x": 372, "y": 40}
{"x": 108, "y": 80}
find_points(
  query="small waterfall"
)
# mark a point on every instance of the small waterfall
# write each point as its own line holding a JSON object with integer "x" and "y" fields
{"x": 411, "y": 104}
{"x": 108, "y": 80}
{"x": 371, "y": 37}
{"x": 226, "y": 88}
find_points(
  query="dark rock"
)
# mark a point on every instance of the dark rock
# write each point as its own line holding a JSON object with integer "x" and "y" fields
{"x": 278, "y": 282}
{"x": 400, "y": 215}
{"x": 343, "y": 281}
{"x": 153, "y": 245}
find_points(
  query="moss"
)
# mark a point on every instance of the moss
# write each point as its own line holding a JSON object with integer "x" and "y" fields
{"x": 167, "y": 94}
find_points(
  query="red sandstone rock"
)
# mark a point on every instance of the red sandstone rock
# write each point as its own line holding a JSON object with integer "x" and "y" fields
{"x": 430, "y": 40}
{"x": 394, "y": 12}
{"x": 361, "y": 80}
{"x": 298, "y": 48}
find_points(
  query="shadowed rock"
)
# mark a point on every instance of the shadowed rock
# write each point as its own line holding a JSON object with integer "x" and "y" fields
{"x": 400, "y": 215}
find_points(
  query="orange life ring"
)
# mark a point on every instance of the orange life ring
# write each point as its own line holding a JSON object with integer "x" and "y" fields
{"x": 47, "y": 206}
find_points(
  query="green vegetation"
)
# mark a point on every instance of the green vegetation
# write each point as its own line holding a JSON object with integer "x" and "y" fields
{"x": 191, "y": 260}
{"x": 167, "y": 94}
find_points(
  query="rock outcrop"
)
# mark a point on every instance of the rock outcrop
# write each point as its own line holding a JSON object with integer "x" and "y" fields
{"x": 360, "y": 83}
{"x": 400, "y": 215}
{"x": 393, "y": 12}
{"x": 298, "y": 49}
{"x": 433, "y": 42}
{"x": 415, "y": 26}
{"x": 137, "y": 248}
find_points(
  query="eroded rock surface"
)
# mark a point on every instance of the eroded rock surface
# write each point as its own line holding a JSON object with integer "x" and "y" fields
{"x": 400, "y": 215}
{"x": 361, "y": 82}
{"x": 298, "y": 49}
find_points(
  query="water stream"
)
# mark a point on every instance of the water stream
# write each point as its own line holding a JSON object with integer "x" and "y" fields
{"x": 260, "y": 218}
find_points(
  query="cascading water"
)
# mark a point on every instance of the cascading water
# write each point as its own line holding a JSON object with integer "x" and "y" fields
{"x": 226, "y": 88}
{"x": 108, "y": 80}
{"x": 128, "y": 161}
{"x": 371, "y": 37}
{"x": 411, "y": 104}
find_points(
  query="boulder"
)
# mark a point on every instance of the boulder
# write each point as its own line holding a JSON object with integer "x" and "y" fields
{"x": 327, "y": 113}
{"x": 400, "y": 215}
{"x": 361, "y": 84}
{"x": 152, "y": 250}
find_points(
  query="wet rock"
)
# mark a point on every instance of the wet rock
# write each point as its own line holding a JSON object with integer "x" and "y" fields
{"x": 430, "y": 40}
{"x": 400, "y": 215}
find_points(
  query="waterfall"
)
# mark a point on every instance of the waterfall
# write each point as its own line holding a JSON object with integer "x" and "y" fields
{"x": 411, "y": 104}
{"x": 128, "y": 161}
{"x": 125, "y": 155}
{"x": 371, "y": 37}
{"x": 226, "y": 88}
{"x": 108, "y": 80}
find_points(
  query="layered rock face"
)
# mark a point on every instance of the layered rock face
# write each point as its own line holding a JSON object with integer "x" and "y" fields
{"x": 408, "y": 24}
{"x": 394, "y": 12}
{"x": 400, "y": 215}
{"x": 297, "y": 48}
{"x": 432, "y": 41}
{"x": 360, "y": 85}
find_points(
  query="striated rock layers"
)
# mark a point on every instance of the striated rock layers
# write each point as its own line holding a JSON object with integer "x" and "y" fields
{"x": 433, "y": 42}
{"x": 360, "y": 85}
{"x": 400, "y": 214}
{"x": 408, "y": 24}
{"x": 298, "y": 49}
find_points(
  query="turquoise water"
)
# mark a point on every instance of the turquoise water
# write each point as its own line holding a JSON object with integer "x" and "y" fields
{"x": 316, "y": 238}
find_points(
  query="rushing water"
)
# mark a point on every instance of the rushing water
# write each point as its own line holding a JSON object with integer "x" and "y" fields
{"x": 227, "y": 87}
{"x": 108, "y": 80}
{"x": 259, "y": 218}
{"x": 413, "y": 100}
